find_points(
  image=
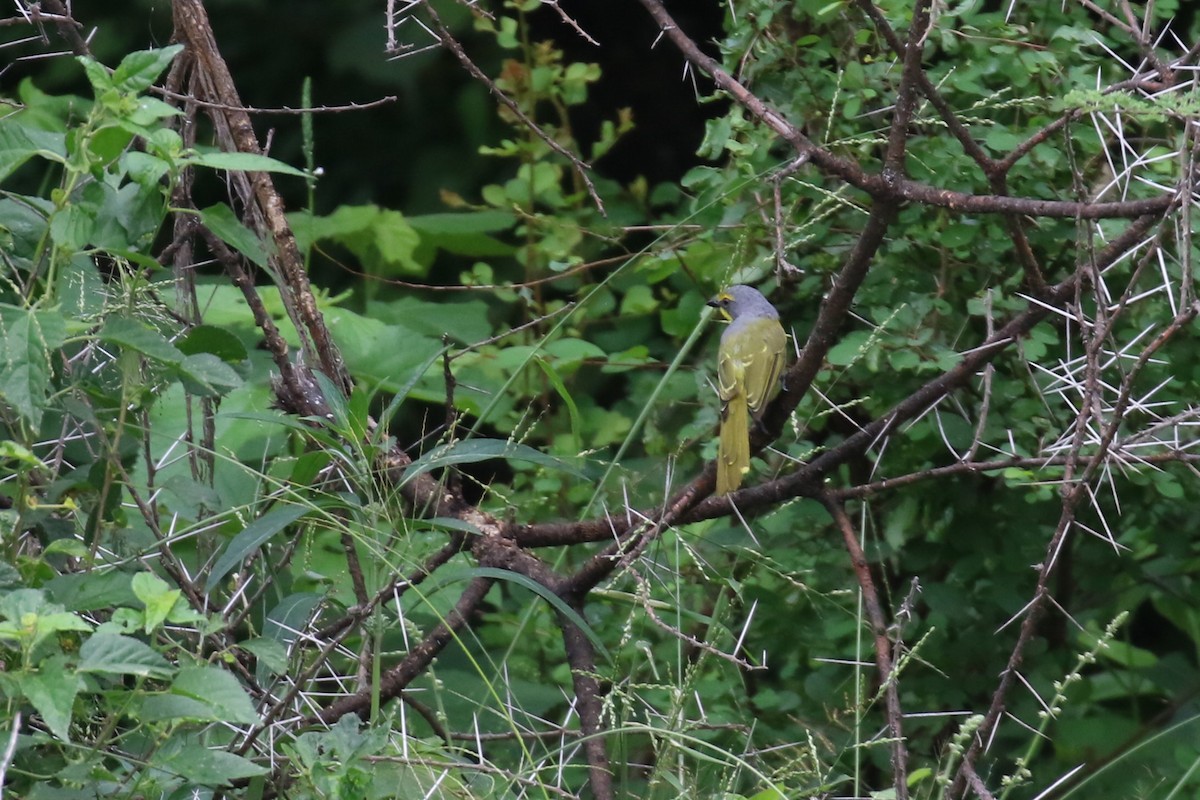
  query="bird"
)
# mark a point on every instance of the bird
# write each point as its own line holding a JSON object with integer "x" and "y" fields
{"x": 749, "y": 361}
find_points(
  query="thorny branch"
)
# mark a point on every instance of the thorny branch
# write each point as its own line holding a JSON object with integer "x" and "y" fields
{"x": 1094, "y": 442}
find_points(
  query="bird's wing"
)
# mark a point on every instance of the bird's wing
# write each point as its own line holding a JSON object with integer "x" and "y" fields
{"x": 731, "y": 369}
{"x": 751, "y": 358}
{"x": 762, "y": 378}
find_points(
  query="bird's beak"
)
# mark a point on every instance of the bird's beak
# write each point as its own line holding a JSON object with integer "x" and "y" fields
{"x": 715, "y": 303}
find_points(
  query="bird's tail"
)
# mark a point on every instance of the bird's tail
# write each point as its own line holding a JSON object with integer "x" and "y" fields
{"x": 733, "y": 452}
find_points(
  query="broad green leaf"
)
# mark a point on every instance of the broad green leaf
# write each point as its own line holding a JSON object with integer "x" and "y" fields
{"x": 126, "y": 217}
{"x": 463, "y": 234}
{"x": 396, "y": 242}
{"x": 208, "y": 767}
{"x": 215, "y": 340}
{"x": 167, "y": 706}
{"x": 270, "y": 653}
{"x": 290, "y": 616}
{"x": 465, "y": 321}
{"x": 30, "y": 619}
{"x": 122, "y": 655}
{"x": 139, "y": 70}
{"x": 106, "y": 144}
{"x": 133, "y": 334}
{"x": 80, "y": 290}
{"x": 98, "y": 76}
{"x": 158, "y": 597}
{"x": 252, "y": 537}
{"x": 27, "y": 339}
{"x": 218, "y": 692}
{"x": 71, "y": 227}
{"x": 144, "y": 168}
{"x": 19, "y": 143}
{"x": 88, "y": 591}
{"x": 207, "y": 375}
{"x": 638, "y": 300}
{"x": 381, "y": 238}
{"x": 376, "y": 350}
{"x": 52, "y": 690}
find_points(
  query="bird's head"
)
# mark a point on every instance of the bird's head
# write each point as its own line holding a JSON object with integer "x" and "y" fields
{"x": 740, "y": 299}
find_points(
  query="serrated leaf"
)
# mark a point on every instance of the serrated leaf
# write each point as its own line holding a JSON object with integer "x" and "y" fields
{"x": 135, "y": 335}
{"x": 26, "y": 340}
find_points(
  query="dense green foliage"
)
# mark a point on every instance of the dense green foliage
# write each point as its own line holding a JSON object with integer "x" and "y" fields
{"x": 192, "y": 579}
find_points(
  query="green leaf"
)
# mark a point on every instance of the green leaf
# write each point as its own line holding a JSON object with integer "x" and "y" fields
{"x": 464, "y": 321}
{"x": 475, "y": 450}
{"x": 638, "y": 300}
{"x": 27, "y": 339}
{"x": 217, "y": 341}
{"x": 550, "y": 597}
{"x": 139, "y": 70}
{"x": 135, "y": 335}
{"x": 241, "y": 162}
{"x": 71, "y": 227}
{"x": 19, "y": 143}
{"x": 270, "y": 654}
{"x": 561, "y": 389}
{"x": 207, "y": 375}
{"x": 377, "y": 350}
{"x": 208, "y": 767}
{"x": 217, "y": 691}
{"x": 91, "y": 590}
{"x": 110, "y": 653}
{"x": 221, "y": 220}
{"x": 252, "y": 537}
{"x": 158, "y": 597}
{"x": 290, "y": 616}
{"x": 97, "y": 75}
{"x": 52, "y": 690}
{"x": 463, "y": 234}
{"x": 381, "y": 238}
